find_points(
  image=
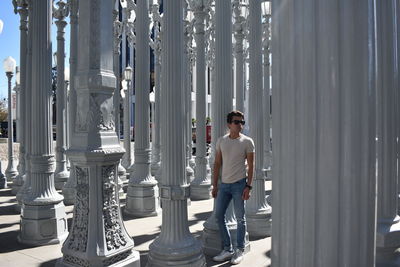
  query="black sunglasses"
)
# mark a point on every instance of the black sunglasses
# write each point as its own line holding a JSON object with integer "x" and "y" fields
{"x": 237, "y": 122}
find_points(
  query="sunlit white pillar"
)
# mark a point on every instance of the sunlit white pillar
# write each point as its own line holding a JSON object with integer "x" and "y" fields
{"x": 22, "y": 8}
{"x": 388, "y": 221}
{"x": 324, "y": 189}
{"x": 175, "y": 246}
{"x": 142, "y": 195}
{"x": 43, "y": 218}
{"x": 258, "y": 212}
{"x": 221, "y": 95}
{"x": 69, "y": 189}
{"x": 61, "y": 173}
{"x": 98, "y": 236}
{"x": 201, "y": 185}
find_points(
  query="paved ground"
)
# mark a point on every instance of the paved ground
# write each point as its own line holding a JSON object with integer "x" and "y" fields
{"x": 142, "y": 230}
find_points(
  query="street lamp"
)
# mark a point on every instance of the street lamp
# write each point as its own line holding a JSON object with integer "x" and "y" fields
{"x": 11, "y": 172}
{"x": 128, "y": 74}
{"x": 1, "y": 26}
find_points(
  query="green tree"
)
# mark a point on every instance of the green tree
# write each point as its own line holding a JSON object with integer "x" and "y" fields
{"x": 3, "y": 110}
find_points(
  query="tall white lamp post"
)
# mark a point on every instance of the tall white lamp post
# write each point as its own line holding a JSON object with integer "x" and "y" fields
{"x": 11, "y": 171}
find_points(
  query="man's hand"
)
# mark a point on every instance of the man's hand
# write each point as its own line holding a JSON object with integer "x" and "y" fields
{"x": 214, "y": 191}
{"x": 246, "y": 193}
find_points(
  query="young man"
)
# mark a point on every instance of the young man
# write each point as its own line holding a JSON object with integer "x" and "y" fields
{"x": 232, "y": 151}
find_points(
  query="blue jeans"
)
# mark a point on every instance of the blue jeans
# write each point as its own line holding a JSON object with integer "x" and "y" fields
{"x": 227, "y": 192}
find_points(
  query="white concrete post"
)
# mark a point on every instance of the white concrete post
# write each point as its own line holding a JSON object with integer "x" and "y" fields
{"x": 61, "y": 174}
{"x": 142, "y": 196}
{"x": 175, "y": 246}
{"x": 98, "y": 236}
{"x": 324, "y": 190}
{"x": 266, "y": 95}
{"x": 201, "y": 185}
{"x": 221, "y": 95}
{"x": 258, "y": 212}
{"x": 127, "y": 158}
{"x": 69, "y": 189}
{"x": 187, "y": 39}
{"x": 118, "y": 29}
{"x": 43, "y": 218}
{"x": 388, "y": 221}
{"x": 24, "y": 190}
{"x": 21, "y": 7}
{"x": 239, "y": 28}
{"x": 156, "y": 147}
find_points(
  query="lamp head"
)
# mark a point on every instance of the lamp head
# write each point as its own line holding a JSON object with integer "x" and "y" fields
{"x": 128, "y": 73}
{"x": 9, "y": 65}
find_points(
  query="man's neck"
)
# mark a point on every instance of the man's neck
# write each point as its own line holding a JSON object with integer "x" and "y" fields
{"x": 234, "y": 135}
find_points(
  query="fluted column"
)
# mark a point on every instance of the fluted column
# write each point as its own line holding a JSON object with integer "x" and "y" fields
{"x": 61, "y": 174}
{"x": 175, "y": 246}
{"x": 324, "y": 190}
{"x": 127, "y": 158}
{"x": 187, "y": 38}
{"x": 397, "y": 106}
{"x": 26, "y": 187}
{"x": 98, "y": 236}
{"x": 142, "y": 196}
{"x": 221, "y": 95}
{"x": 239, "y": 28}
{"x": 388, "y": 222}
{"x": 22, "y": 8}
{"x": 43, "y": 218}
{"x": 201, "y": 185}
{"x": 118, "y": 28}
{"x": 155, "y": 146}
{"x": 69, "y": 189}
{"x": 129, "y": 29}
{"x": 266, "y": 95}
{"x": 258, "y": 212}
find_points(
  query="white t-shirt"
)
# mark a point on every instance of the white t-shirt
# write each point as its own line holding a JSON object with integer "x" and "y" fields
{"x": 234, "y": 151}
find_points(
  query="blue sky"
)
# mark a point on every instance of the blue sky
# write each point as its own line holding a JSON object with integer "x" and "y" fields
{"x": 10, "y": 42}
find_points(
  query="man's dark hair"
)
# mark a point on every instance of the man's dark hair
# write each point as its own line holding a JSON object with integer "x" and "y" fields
{"x": 232, "y": 114}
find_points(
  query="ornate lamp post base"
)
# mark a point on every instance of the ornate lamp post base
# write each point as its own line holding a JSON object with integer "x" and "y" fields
{"x": 259, "y": 224}
{"x": 161, "y": 255}
{"x": 142, "y": 200}
{"x": 43, "y": 224}
{"x": 200, "y": 191}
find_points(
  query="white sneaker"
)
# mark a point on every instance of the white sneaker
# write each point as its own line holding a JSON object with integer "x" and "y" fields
{"x": 223, "y": 256}
{"x": 237, "y": 257}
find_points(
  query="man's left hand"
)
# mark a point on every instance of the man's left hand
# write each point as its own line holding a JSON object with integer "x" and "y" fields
{"x": 246, "y": 193}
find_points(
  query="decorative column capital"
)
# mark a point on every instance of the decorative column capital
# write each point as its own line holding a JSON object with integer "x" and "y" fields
{"x": 118, "y": 28}
{"x": 62, "y": 11}
{"x": 130, "y": 32}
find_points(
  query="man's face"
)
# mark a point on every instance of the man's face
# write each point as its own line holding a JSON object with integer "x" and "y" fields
{"x": 237, "y": 124}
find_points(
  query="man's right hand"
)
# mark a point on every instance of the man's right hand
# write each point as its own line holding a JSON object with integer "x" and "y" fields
{"x": 214, "y": 191}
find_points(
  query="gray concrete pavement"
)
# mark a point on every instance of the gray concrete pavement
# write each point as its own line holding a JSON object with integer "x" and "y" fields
{"x": 143, "y": 231}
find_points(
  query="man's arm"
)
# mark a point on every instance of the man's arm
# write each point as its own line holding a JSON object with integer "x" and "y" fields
{"x": 250, "y": 173}
{"x": 217, "y": 166}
